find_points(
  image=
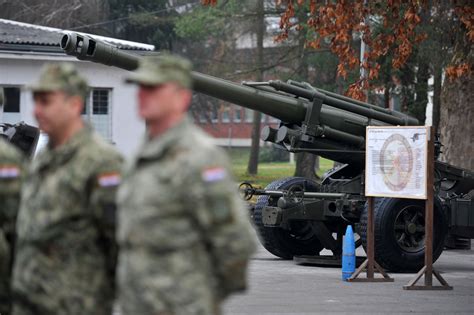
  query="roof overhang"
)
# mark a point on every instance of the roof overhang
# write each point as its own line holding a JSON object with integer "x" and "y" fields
{"x": 51, "y": 45}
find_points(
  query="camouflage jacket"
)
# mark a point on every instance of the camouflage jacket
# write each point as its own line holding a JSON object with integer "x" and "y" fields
{"x": 11, "y": 166}
{"x": 184, "y": 235}
{"x": 66, "y": 252}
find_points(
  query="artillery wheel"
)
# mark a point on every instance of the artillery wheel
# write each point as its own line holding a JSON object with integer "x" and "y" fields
{"x": 300, "y": 238}
{"x": 400, "y": 233}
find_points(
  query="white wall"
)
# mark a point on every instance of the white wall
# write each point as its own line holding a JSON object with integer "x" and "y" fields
{"x": 23, "y": 69}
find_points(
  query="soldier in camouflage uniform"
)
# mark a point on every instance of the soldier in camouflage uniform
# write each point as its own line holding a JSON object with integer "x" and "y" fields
{"x": 11, "y": 162}
{"x": 65, "y": 253}
{"x": 183, "y": 234}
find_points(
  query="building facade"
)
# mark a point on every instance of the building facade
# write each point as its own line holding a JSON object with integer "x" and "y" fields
{"x": 231, "y": 125}
{"x": 110, "y": 106}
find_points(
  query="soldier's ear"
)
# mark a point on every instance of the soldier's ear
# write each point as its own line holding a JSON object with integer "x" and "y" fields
{"x": 186, "y": 97}
{"x": 77, "y": 103}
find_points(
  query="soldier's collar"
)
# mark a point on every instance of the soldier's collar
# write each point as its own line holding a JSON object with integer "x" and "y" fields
{"x": 153, "y": 148}
{"x": 65, "y": 151}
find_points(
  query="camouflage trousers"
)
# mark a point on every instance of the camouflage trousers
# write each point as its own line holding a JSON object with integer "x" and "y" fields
{"x": 177, "y": 283}
{"x": 5, "y": 276}
{"x": 59, "y": 282}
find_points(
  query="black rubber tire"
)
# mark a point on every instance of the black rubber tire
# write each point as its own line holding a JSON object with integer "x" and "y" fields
{"x": 280, "y": 242}
{"x": 388, "y": 252}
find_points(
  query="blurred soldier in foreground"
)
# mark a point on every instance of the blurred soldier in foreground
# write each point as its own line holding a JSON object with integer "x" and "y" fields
{"x": 65, "y": 253}
{"x": 183, "y": 234}
{"x": 11, "y": 161}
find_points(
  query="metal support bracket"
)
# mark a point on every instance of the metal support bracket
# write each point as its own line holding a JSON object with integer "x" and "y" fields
{"x": 326, "y": 238}
{"x": 311, "y": 121}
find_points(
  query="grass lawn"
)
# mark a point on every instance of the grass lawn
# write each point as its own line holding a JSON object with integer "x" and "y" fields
{"x": 268, "y": 172}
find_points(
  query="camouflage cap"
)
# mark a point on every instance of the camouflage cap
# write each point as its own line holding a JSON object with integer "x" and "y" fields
{"x": 61, "y": 77}
{"x": 156, "y": 70}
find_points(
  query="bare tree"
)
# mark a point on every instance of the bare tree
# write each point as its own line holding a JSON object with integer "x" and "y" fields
{"x": 306, "y": 162}
{"x": 457, "y": 111}
{"x": 55, "y": 13}
{"x": 252, "y": 167}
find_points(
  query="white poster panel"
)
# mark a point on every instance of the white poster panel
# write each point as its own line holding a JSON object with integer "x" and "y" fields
{"x": 396, "y": 162}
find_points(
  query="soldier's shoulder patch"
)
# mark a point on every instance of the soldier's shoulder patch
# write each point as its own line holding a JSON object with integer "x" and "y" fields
{"x": 9, "y": 171}
{"x": 213, "y": 174}
{"x": 109, "y": 179}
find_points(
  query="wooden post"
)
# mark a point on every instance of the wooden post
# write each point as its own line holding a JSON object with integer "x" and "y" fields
{"x": 428, "y": 270}
{"x": 370, "y": 264}
{"x": 370, "y": 238}
{"x": 429, "y": 205}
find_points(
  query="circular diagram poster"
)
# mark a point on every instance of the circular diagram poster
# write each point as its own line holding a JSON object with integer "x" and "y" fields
{"x": 395, "y": 163}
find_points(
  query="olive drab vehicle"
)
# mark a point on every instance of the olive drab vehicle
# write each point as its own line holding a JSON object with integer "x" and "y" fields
{"x": 296, "y": 216}
{"x": 23, "y": 136}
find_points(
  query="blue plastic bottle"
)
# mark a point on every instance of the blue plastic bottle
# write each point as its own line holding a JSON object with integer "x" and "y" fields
{"x": 348, "y": 254}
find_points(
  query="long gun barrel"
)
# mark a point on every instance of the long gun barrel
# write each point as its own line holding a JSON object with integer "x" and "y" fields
{"x": 88, "y": 48}
{"x": 331, "y": 125}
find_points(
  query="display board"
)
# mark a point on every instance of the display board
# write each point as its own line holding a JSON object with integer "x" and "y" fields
{"x": 396, "y": 162}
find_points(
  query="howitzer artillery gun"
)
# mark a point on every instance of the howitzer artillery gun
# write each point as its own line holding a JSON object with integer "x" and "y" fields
{"x": 297, "y": 216}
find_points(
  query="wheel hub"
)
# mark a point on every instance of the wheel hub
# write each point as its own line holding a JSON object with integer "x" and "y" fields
{"x": 411, "y": 228}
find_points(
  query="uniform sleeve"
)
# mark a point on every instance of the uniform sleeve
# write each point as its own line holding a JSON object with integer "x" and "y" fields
{"x": 104, "y": 184}
{"x": 11, "y": 176}
{"x": 224, "y": 224}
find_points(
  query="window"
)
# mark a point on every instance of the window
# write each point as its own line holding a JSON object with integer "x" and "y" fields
{"x": 97, "y": 112}
{"x": 12, "y": 97}
{"x": 100, "y": 102}
{"x": 225, "y": 118}
{"x": 248, "y": 115}
{"x": 202, "y": 117}
{"x": 11, "y": 108}
{"x": 237, "y": 114}
{"x": 214, "y": 115}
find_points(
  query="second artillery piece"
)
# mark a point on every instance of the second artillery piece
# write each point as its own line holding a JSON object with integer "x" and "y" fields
{"x": 297, "y": 216}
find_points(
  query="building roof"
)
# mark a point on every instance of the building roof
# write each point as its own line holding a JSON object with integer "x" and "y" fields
{"x": 23, "y": 36}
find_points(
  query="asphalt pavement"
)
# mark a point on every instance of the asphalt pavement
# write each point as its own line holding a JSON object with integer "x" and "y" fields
{"x": 283, "y": 287}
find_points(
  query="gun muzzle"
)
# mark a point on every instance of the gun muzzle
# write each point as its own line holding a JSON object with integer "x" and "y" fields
{"x": 87, "y": 48}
